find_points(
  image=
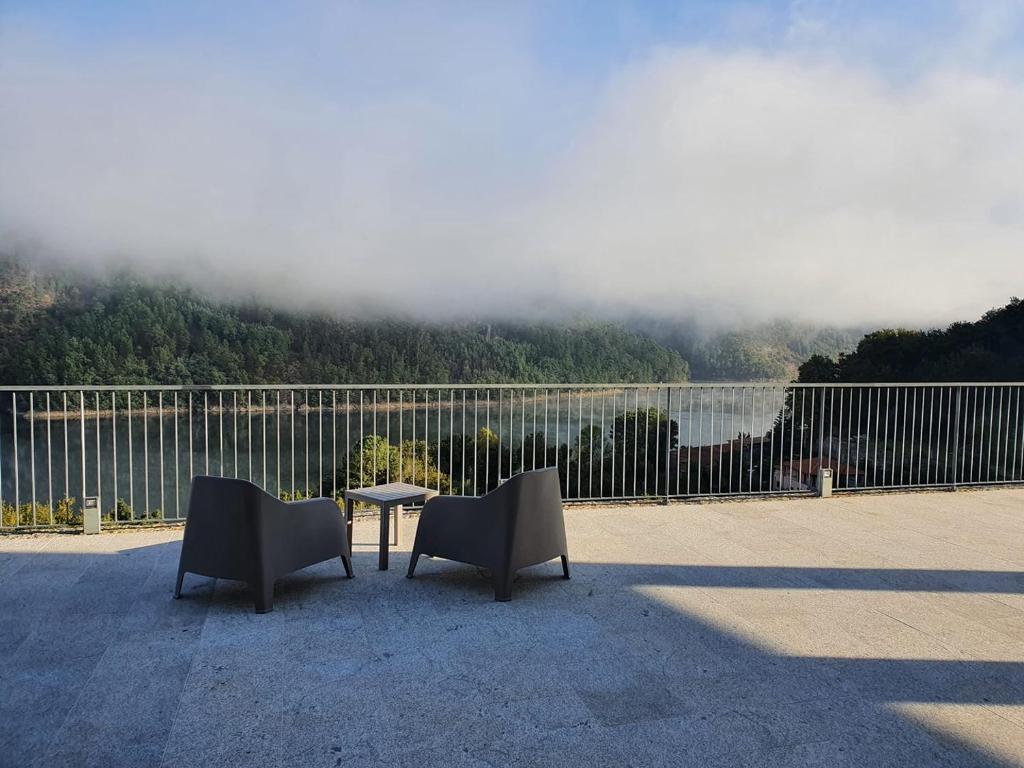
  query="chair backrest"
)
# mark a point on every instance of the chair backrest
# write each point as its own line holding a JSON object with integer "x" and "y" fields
{"x": 221, "y": 521}
{"x": 533, "y": 501}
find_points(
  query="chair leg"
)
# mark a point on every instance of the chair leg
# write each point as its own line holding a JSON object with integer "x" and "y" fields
{"x": 263, "y": 596}
{"x": 565, "y": 566}
{"x": 177, "y": 585}
{"x": 413, "y": 559}
{"x": 347, "y": 562}
{"x": 503, "y": 586}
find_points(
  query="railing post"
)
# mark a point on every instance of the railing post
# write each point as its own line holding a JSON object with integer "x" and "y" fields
{"x": 668, "y": 443}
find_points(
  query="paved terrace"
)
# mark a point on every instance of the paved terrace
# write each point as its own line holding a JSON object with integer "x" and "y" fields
{"x": 868, "y": 631}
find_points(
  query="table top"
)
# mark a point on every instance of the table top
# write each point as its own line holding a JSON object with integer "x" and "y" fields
{"x": 391, "y": 493}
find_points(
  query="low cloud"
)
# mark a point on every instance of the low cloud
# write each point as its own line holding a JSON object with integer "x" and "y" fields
{"x": 463, "y": 176}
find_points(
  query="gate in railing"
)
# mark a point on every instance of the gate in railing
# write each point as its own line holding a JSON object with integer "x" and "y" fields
{"x": 137, "y": 448}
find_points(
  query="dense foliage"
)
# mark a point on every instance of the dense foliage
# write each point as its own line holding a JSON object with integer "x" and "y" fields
{"x": 57, "y": 330}
{"x": 990, "y": 349}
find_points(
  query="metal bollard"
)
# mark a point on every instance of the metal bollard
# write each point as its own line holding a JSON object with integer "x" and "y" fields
{"x": 824, "y": 482}
{"x": 91, "y": 514}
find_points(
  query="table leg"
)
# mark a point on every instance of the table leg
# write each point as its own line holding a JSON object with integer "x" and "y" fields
{"x": 398, "y": 525}
{"x": 349, "y": 511}
{"x": 385, "y": 515}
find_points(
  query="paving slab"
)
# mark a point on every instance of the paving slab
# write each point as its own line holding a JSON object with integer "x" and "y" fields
{"x": 882, "y": 630}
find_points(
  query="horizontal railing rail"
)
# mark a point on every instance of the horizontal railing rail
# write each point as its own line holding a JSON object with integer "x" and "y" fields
{"x": 137, "y": 448}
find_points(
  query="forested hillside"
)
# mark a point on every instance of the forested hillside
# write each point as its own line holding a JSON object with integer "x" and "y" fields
{"x": 990, "y": 349}
{"x": 768, "y": 351}
{"x": 57, "y": 328}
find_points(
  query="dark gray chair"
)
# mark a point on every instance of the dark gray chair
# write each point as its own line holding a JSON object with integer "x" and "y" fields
{"x": 235, "y": 530}
{"x": 520, "y": 523}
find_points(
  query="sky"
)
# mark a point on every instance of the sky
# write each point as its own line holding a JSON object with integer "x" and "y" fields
{"x": 827, "y": 161}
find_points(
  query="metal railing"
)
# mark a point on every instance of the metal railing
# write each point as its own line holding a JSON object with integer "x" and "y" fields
{"x": 137, "y": 447}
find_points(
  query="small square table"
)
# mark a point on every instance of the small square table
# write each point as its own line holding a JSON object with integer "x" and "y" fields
{"x": 391, "y": 495}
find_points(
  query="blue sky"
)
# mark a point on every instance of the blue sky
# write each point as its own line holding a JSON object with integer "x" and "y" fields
{"x": 593, "y": 143}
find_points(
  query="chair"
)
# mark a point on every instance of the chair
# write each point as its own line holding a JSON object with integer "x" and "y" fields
{"x": 235, "y": 530}
{"x": 520, "y": 523}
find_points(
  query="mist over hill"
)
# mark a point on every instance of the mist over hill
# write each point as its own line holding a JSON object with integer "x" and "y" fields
{"x": 59, "y": 326}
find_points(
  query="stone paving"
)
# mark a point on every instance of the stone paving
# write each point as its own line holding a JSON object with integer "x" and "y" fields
{"x": 878, "y": 630}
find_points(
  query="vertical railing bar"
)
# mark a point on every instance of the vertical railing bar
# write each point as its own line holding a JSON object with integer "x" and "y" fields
{"x": 533, "y": 448}
{"x": 771, "y": 447}
{"x": 145, "y": 448}
{"x": 636, "y": 436}
{"x": 131, "y": 455}
{"x": 487, "y": 445}
{"x": 439, "y": 441}
{"x": 160, "y": 424}
{"x": 476, "y": 437}
{"x": 67, "y": 453}
{"x": 177, "y": 479}
{"x": 547, "y": 394}
{"x": 113, "y": 438}
{"x": 32, "y": 452}
{"x": 263, "y": 439}
{"x": 885, "y": 439}
{"x": 1016, "y": 432}
{"x": 721, "y": 439}
{"x": 512, "y": 429}
{"x": 401, "y": 419}
{"x": 647, "y": 436}
{"x": 600, "y": 481}
{"x": 792, "y": 436}
{"x": 579, "y": 457}
{"x": 668, "y": 440}
{"x": 373, "y": 416}
{"x": 277, "y": 443}
{"x": 348, "y": 439}
{"x": 949, "y": 430}
{"x": 558, "y": 410}
{"x": 739, "y": 435}
{"x": 81, "y": 440}
{"x": 974, "y": 434}
{"x": 568, "y": 438}
{"x": 81, "y": 413}
{"x": 956, "y": 435}
{"x": 991, "y": 424}
{"x": 832, "y": 422}
{"x": 206, "y": 431}
{"x": 689, "y": 425}
{"x": 931, "y": 433}
{"x": 99, "y": 456}
{"x": 192, "y": 472}
{"x": 1000, "y": 470}
{"x": 902, "y": 459}
{"x": 234, "y": 429}
{"x": 415, "y": 451}
{"x": 248, "y": 429}
{"x": 700, "y": 439}
{"x": 49, "y": 461}
{"x": 522, "y": 429}
{"x": 305, "y": 436}
{"x": 220, "y": 432}
{"x": 15, "y": 522}
{"x": 462, "y": 461}
{"x": 761, "y": 436}
{"x": 451, "y": 439}
{"x": 291, "y": 424}
{"x": 387, "y": 435}
{"x": 320, "y": 443}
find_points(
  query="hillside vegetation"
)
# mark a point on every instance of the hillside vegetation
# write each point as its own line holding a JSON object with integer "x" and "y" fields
{"x": 61, "y": 329}
{"x": 989, "y": 349}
